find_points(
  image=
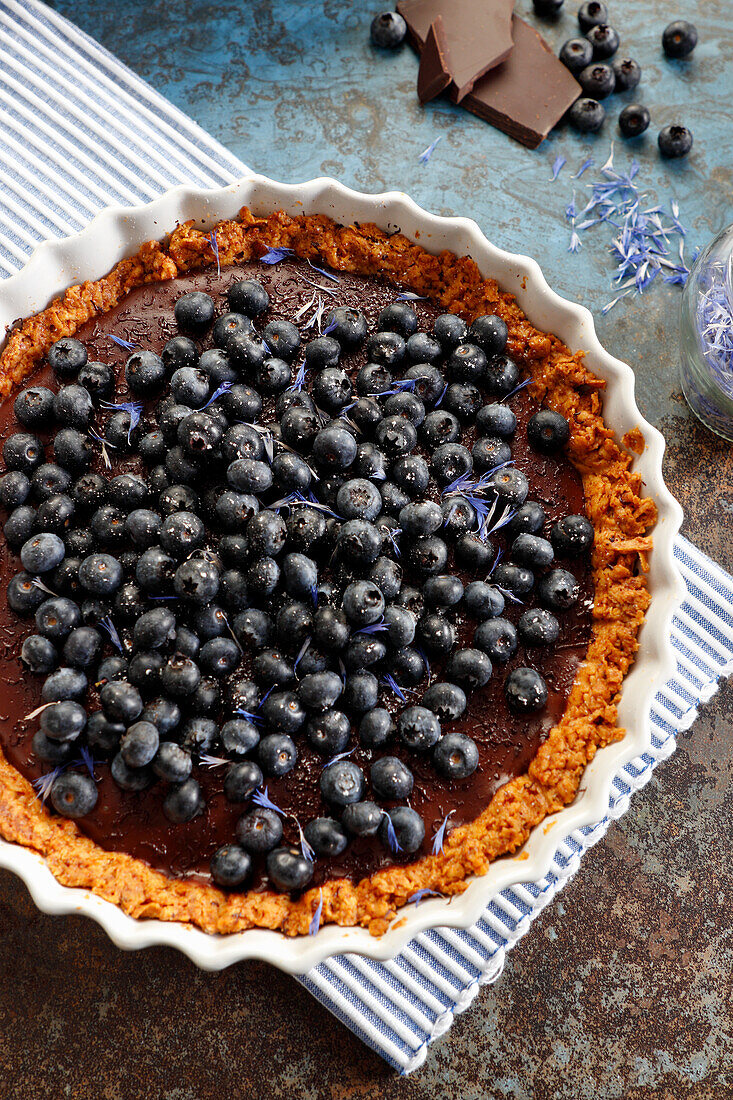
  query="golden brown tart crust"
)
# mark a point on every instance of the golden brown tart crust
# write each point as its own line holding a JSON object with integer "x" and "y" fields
{"x": 615, "y": 504}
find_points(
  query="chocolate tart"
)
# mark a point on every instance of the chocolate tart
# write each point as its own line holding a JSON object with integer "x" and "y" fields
{"x": 126, "y": 850}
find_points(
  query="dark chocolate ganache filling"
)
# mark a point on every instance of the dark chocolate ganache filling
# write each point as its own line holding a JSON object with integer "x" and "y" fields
{"x": 134, "y": 822}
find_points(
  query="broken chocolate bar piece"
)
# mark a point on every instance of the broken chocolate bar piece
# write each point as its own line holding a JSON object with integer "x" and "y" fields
{"x": 528, "y": 93}
{"x": 433, "y": 76}
{"x": 478, "y": 35}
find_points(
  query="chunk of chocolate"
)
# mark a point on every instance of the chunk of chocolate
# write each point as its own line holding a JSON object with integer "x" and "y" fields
{"x": 528, "y": 93}
{"x": 478, "y": 35}
{"x": 433, "y": 76}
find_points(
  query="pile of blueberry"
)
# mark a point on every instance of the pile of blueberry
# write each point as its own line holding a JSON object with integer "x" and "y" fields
{"x": 589, "y": 58}
{"x": 266, "y": 529}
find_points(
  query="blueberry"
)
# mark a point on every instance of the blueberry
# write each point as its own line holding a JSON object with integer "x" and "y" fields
{"x": 470, "y": 668}
{"x": 67, "y": 356}
{"x": 242, "y": 780}
{"x": 576, "y": 54}
{"x": 396, "y": 436}
{"x": 194, "y": 311}
{"x": 326, "y": 836}
{"x": 63, "y": 721}
{"x": 22, "y": 451}
{"x": 263, "y": 577}
{"x": 179, "y": 352}
{"x": 525, "y": 690}
{"x": 319, "y": 690}
{"x": 121, "y": 702}
{"x": 488, "y": 453}
{"x": 446, "y": 700}
{"x": 572, "y": 535}
{"x": 422, "y": 348}
{"x": 196, "y": 580}
{"x": 547, "y": 8}
{"x": 358, "y": 499}
{"x": 99, "y": 381}
{"x": 180, "y": 676}
{"x": 33, "y": 407}
{"x": 130, "y": 779}
{"x": 634, "y": 120}
{"x": 627, "y": 73}
{"x": 342, "y": 783}
{"x": 558, "y": 590}
{"x": 64, "y": 683}
{"x": 388, "y": 30}
{"x": 497, "y": 637}
{"x": 39, "y": 654}
{"x": 587, "y": 115}
{"x": 155, "y": 570}
{"x": 604, "y": 40}
{"x": 139, "y": 744}
{"x": 532, "y": 551}
{"x": 23, "y": 595}
{"x": 538, "y": 627}
{"x": 386, "y": 349}
{"x": 347, "y": 326}
{"x": 215, "y": 363}
{"x": 679, "y": 38}
{"x": 190, "y": 387}
{"x": 248, "y": 296}
{"x": 548, "y": 431}
{"x": 73, "y": 450}
{"x": 515, "y": 579}
{"x": 450, "y": 462}
{"x": 272, "y": 376}
{"x": 456, "y": 756}
{"x": 362, "y": 818}
{"x": 73, "y": 794}
{"x": 260, "y": 830}
{"x": 482, "y": 601}
{"x": 108, "y": 525}
{"x": 42, "y": 552}
{"x": 172, "y": 762}
{"x": 419, "y": 729}
{"x": 230, "y": 865}
{"x": 183, "y": 802}
{"x": 199, "y": 435}
{"x": 100, "y": 574}
{"x": 56, "y": 617}
{"x": 328, "y": 732}
{"x": 440, "y": 426}
{"x": 229, "y": 327}
{"x": 323, "y": 352}
{"x": 20, "y": 525}
{"x": 597, "y": 81}
{"x": 408, "y": 829}
{"x": 441, "y": 591}
{"x": 411, "y": 474}
{"x": 450, "y": 331}
{"x": 391, "y": 779}
{"x": 674, "y": 141}
{"x": 144, "y": 373}
{"x": 291, "y": 473}
{"x": 463, "y": 399}
{"x": 359, "y": 542}
{"x": 82, "y": 647}
{"x": 429, "y": 383}
{"x": 468, "y": 363}
{"x": 282, "y": 712}
{"x": 361, "y": 691}
{"x": 376, "y": 728}
{"x": 51, "y": 752}
{"x": 163, "y": 713}
{"x": 436, "y": 634}
{"x": 334, "y": 448}
{"x": 14, "y": 489}
{"x": 591, "y": 14}
{"x": 330, "y": 628}
{"x": 288, "y": 869}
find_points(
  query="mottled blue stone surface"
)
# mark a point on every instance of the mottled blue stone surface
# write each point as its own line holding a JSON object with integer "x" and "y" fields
{"x": 622, "y": 988}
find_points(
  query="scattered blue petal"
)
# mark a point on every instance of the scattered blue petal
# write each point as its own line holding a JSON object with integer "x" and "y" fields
{"x": 42, "y": 785}
{"x": 110, "y": 628}
{"x": 315, "y": 923}
{"x": 584, "y": 168}
{"x": 439, "y": 838}
{"x": 275, "y": 255}
{"x": 324, "y": 271}
{"x": 410, "y": 296}
{"x": 126, "y": 344}
{"x": 392, "y": 840}
{"x": 261, "y": 798}
{"x": 223, "y": 388}
{"x": 392, "y": 684}
{"x": 557, "y": 167}
{"x": 420, "y": 895}
{"x": 427, "y": 153}
{"x": 575, "y": 242}
{"x": 86, "y": 760}
{"x": 215, "y": 249}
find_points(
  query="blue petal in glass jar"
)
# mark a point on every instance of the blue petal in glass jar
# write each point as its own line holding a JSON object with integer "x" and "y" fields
{"x": 707, "y": 335}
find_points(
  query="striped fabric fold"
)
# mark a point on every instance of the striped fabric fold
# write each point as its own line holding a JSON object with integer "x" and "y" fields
{"x": 79, "y": 132}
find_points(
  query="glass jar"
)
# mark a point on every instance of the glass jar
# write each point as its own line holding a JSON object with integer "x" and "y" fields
{"x": 706, "y": 324}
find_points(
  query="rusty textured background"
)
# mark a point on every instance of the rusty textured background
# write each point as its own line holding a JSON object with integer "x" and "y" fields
{"x": 623, "y": 987}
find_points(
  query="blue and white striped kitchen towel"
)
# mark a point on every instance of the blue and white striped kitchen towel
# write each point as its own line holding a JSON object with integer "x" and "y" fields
{"x": 78, "y": 132}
